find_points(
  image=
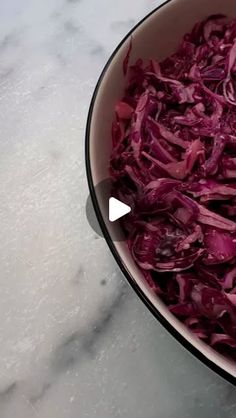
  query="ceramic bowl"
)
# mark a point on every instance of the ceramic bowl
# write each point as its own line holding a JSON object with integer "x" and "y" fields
{"x": 157, "y": 35}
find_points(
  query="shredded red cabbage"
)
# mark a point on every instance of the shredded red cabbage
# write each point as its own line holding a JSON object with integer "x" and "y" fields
{"x": 174, "y": 162}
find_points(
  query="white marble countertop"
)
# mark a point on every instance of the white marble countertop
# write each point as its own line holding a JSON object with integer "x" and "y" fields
{"x": 75, "y": 341}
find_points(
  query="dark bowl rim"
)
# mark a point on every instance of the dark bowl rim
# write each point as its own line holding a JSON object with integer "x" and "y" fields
{"x": 164, "y": 322}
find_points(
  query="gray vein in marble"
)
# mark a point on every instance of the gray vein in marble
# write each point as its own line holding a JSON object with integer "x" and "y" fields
{"x": 6, "y": 393}
{"x": 123, "y": 25}
{"x": 41, "y": 393}
{"x": 71, "y": 27}
{"x": 97, "y": 237}
{"x": 70, "y": 35}
{"x": 5, "y": 73}
{"x": 73, "y": 1}
{"x": 10, "y": 39}
{"x": 77, "y": 277}
{"x": 80, "y": 344}
{"x": 61, "y": 59}
{"x": 32, "y": 407}
{"x": 56, "y": 14}
{"x": 97, "y": 50}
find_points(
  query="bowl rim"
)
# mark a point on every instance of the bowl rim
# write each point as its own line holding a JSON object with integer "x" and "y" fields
{"x": 163, "y": 321}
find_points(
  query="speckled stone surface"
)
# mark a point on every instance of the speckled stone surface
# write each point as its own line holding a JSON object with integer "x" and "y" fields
{"x": 75, "y": 341}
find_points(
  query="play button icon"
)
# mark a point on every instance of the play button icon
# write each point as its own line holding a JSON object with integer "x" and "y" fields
{"x": 103, "y": 209}
{"x": 117, "y": 209}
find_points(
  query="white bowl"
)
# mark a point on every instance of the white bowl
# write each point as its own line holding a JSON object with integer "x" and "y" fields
{"x": 157, "y": 35}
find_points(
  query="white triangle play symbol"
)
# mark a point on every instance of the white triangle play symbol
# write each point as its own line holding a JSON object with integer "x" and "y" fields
{"x": 117, "y": 209}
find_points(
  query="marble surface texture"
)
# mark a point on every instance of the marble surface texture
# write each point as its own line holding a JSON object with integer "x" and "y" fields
{"x": 75, "y": 341}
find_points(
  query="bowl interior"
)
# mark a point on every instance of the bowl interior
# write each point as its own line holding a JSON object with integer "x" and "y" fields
{"x": 156, "y": 37}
